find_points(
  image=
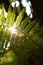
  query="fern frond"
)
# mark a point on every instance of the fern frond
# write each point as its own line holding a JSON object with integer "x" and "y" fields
{"x": 23, "y": 35}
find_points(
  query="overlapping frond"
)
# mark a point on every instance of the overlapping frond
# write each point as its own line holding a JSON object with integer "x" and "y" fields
{"x": 23, "y": 36}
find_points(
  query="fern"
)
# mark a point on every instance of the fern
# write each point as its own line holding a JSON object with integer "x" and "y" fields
{"x": 23, "y": 40}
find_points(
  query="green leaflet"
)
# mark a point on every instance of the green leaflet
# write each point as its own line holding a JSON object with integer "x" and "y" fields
{"x": 24, "y": 22}
{"x": 9, "y": 19}
{"x": 29, "y": 26}
{"x": 14, "y": 13}
{"x": 19, "y": 18}
{"x": 2, "y": 19}
{"x": 11, "y": 16}
{"x": 12, "y": 1}
{"x": 34, "y": 30}
{"x": 36, "y": 33}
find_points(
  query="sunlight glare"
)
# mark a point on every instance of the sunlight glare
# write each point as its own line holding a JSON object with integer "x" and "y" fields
{"x": 17, "y": 3}
{"x": 27, "y": 5}
{"x": 24, "y": 3}
{"x": 8, "y": 45}
{"x": 28, "y": 10}
{"x": 31, "y": 16}
{"x": 13, "y": 30}
{"x": 13, "y": 3}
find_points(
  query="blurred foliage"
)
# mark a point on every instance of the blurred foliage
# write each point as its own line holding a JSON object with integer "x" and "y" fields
{"x": 15, "y": 0}
{"x": 26, "y": 43}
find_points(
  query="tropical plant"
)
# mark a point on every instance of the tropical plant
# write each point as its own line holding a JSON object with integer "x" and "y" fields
{"x": 19, "y": 38}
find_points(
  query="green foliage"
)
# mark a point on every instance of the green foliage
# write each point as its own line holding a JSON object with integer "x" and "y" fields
{"x": 26, "y": 38}
{"x": 11, "y": 1}
{"x": 19, "y": 18}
